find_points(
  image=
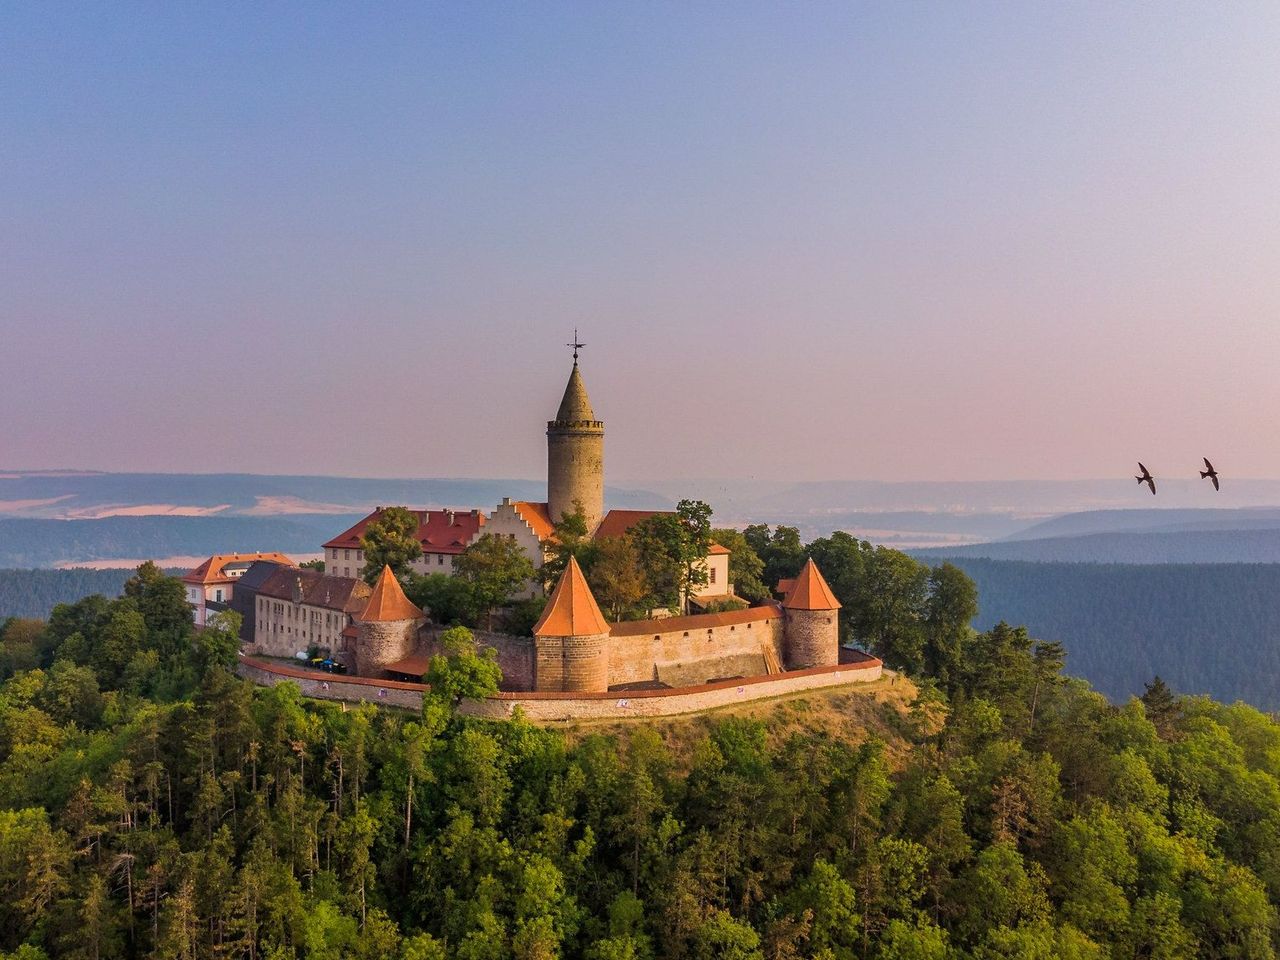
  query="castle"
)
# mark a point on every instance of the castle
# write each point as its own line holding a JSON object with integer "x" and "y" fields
{"x": 574, "y": 648}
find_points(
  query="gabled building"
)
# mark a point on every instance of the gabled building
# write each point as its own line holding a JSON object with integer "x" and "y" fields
{"x": 296, "y": 610}
{"x": 442, "y": 534}
{"x": 211, "y": 585}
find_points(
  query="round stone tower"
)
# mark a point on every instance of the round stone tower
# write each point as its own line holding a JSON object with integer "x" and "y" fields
{"x": 387, "y": 630}
{"x": 811, "y": 625}
{"x": 575, "y": 456}
{"x": 571, "y": 640}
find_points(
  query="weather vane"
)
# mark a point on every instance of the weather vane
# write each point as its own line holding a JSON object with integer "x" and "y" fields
{"x": 576, "y": 345}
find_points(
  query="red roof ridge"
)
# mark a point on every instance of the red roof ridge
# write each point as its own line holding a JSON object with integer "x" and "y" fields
{"x": 572, "y": 611}
{"x": 388, "y": 602}
{"x": 810, "y": 591}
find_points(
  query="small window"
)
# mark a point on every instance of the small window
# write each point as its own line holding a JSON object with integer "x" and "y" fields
{"x": 439, "y": 559}
{"x": 346, "y": 554}
{"x": 712, "y": 573}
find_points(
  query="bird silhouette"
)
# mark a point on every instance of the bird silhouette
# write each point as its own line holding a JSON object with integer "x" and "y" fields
{"x": 1208, "y": 473}
{"x": 1146, "y": 478}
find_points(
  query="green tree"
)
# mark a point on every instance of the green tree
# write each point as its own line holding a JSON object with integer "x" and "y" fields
{"x": 390, "y": 540}
{"x": 781, "y": 551}
{"x": 463, "y": 671}
{"x": 951, "y": 605}
{"x": 616, "y": 577}
{"x": 446, "y": 599}
{"x": 496, "y": 569}
{"x": 569, "y": 538}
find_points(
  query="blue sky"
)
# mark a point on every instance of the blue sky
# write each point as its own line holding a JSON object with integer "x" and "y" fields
{"x": 898, "y": 241}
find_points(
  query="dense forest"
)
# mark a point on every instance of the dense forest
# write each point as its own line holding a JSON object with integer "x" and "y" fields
{"x": 1211, "y": 629}
{"x": 153, "y": 804}
{"x": 34, "y": 593}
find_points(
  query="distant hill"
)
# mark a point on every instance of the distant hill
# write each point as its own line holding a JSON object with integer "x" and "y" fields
{"x": 1150, "y": 521}
{"x": 1204, "y": 628}
{"x": 61, "y": 494}
{"x": 1188, "y": 546}
{"x": 33, "y": 593}
{"x": 48, "y": 543}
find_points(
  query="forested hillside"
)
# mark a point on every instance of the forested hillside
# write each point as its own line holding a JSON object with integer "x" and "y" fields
{"x": 34, "y": 593}
{"x": 154, "y": 805}
{"x": 1211, "y": 629}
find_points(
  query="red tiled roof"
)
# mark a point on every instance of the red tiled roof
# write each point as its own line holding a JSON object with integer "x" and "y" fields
{"x": 784, "y": 585}
{"x": 439, "y": 531}
{"x": 617, "y": 522}
{"x": 810, "y": 591}
{"x": 717, "y": 549}
{"x": 536, "y": 516}
{"x": 415, "y": 665}
{"x": 572, "y": 611}
{"x": 699, "y": 621}
{"x": 388, "y": 602}
{"x": 211, "y": 571}
{"x": 316, "y": 589}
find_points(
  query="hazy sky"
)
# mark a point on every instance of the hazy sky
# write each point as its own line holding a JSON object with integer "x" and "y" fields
{"x": 894, "y": 241}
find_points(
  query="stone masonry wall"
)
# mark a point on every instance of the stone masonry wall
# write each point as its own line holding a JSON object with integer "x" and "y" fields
{"x": 381, "y": 643}
{"x": 634, "y": 659}
{"x": 327, "y": 687}
{"x": 571, "y": 664}
{"x": 812, "y": 639}
{"x": 569, "y": 707}
{"x": 575, "y": 469}
{"x": 515, "y": 654}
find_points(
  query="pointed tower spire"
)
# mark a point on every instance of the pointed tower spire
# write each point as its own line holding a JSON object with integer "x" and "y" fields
{"x": 810, "y": 591}
{"x": 572, "y": 611}
{"x": 575, "y": 406}
{"x": 388, "y": 603}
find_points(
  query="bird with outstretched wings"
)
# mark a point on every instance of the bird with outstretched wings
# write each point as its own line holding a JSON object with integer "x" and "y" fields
{"x": 1146, "y": 478}
{"x": 1208, "y": 473}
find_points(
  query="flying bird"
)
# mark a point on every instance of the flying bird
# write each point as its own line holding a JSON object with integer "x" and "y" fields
{"x": 1146, "y": 478}
{"x": 1208, "y": 473}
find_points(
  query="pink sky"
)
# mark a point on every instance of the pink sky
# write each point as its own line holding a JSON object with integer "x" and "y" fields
{"x": 924, "y": 243}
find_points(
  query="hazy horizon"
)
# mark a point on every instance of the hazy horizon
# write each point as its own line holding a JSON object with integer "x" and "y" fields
{"x": 898, "y": 243}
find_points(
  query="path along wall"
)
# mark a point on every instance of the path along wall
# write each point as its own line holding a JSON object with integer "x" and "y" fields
{"x": 570, "y": 706}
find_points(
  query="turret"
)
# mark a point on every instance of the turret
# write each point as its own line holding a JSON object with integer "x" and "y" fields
{"x": 575, "y": 455}
{"x": 387, "y": 629}
{"x": 571, "y": 640}
{"x": 811, "y": 626}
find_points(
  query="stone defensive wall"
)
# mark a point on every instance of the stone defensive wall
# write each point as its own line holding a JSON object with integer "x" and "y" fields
{"x": 685, "y": 651}
{"x": 571, "y": 706}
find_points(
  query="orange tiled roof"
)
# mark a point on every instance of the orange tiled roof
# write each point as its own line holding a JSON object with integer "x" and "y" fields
{"x": 572, "y": 611}
{"x": 717, "y": 549}
{"x": 388, "y": 602}
{"x": 439, "y": 531}
{"x": 784, "y": 585}
{"x": 536, "y": 516}
{"x": 617, "y": 522}
{"x": 699, "y": 621}
{"x": 810, "y": 591}
{"x": 211, "y": 571}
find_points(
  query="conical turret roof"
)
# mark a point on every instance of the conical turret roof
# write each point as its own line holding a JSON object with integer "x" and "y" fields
{"x": 388, "y": 602}
{"x": 572, "y": 611}
{"x": 575, "y": 406}
{"x": 810, "y": 591}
